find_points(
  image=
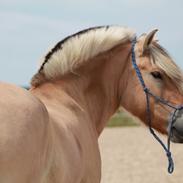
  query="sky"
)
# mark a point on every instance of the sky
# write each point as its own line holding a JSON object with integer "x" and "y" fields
{"x": 28, "y": 28}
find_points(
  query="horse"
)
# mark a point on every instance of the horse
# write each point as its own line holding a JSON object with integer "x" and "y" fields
{"x": 49, "y": 134}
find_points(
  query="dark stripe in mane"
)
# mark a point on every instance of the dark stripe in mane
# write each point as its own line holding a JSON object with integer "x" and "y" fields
{"x": 58, "y": 46}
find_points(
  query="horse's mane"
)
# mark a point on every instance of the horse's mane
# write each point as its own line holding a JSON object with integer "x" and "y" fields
{"x": 161, "y": 58}
{"x": 71, "y": 52}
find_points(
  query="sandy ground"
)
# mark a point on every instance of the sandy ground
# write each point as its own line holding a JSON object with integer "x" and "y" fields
{"x": 131, "y": 155}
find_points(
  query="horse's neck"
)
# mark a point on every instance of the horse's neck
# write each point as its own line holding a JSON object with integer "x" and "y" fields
{"x": 93, "y": 88}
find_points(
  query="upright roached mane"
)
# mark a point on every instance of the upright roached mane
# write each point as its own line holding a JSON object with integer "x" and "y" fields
{"x": 76, "y": 49}
{"x": 71, "y": 52}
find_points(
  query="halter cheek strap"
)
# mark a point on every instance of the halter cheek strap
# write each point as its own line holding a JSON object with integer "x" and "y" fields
{"x": 149, "y": 94}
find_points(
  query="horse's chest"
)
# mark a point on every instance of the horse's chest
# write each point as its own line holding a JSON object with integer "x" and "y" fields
{"x": 76, "y": 160}
{"x": 93, "y": 171}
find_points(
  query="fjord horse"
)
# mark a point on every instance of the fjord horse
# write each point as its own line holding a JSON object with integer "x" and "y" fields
{"x": 49, "y": 134}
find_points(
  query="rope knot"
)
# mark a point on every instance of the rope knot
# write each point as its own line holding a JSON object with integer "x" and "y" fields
{"x": 168, "y": 154}
{"x": 146, "y": 89}
{"x": 180, "y": 107}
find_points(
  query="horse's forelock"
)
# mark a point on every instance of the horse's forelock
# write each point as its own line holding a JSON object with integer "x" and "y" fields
{"x": 162, "y": 60}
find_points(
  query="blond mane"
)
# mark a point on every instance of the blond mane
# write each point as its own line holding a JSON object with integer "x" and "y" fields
{"x": 76, "y": 49}
{"x": 70, "y": 53}
{"x": 162, "y": 59}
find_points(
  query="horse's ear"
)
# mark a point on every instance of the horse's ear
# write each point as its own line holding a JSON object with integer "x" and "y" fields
{"x": 148, "y": 39}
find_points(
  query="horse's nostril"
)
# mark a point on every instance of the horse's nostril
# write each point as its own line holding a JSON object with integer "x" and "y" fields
{"x": 178, "y": 126}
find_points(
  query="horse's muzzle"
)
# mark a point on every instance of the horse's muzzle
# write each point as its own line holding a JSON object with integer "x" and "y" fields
{"x": 177, "y": 128}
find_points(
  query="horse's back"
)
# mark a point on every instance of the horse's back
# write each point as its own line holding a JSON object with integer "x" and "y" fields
{"x": 23, "y": 135}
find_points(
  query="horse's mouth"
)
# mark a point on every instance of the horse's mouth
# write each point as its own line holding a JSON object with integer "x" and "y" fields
{"x": 176, "y": 137}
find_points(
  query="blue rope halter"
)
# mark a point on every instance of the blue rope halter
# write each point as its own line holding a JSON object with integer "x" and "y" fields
{"x": 149, "y": 94}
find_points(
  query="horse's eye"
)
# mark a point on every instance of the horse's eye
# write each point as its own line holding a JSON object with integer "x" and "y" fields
{"x": 156, "y": 75}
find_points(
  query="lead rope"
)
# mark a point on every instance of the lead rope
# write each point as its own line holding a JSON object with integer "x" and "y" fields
{"x": 148, "y": 111}
{"x": 167, "y": 149}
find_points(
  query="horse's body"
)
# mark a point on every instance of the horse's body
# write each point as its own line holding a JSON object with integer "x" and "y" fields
{"x": 49, "y": 134}
{"x": 36, "y": 148}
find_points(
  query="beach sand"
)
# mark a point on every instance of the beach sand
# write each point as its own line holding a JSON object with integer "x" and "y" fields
{"x": 132, "y": 155}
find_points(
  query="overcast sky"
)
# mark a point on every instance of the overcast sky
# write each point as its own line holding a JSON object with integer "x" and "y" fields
{"x": 29, "y": 27}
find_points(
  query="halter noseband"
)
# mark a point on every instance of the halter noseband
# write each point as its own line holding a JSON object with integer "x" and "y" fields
{"x": 149, "y": 94}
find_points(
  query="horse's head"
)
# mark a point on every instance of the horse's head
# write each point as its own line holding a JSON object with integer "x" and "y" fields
{"x": 164, "y": 79}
